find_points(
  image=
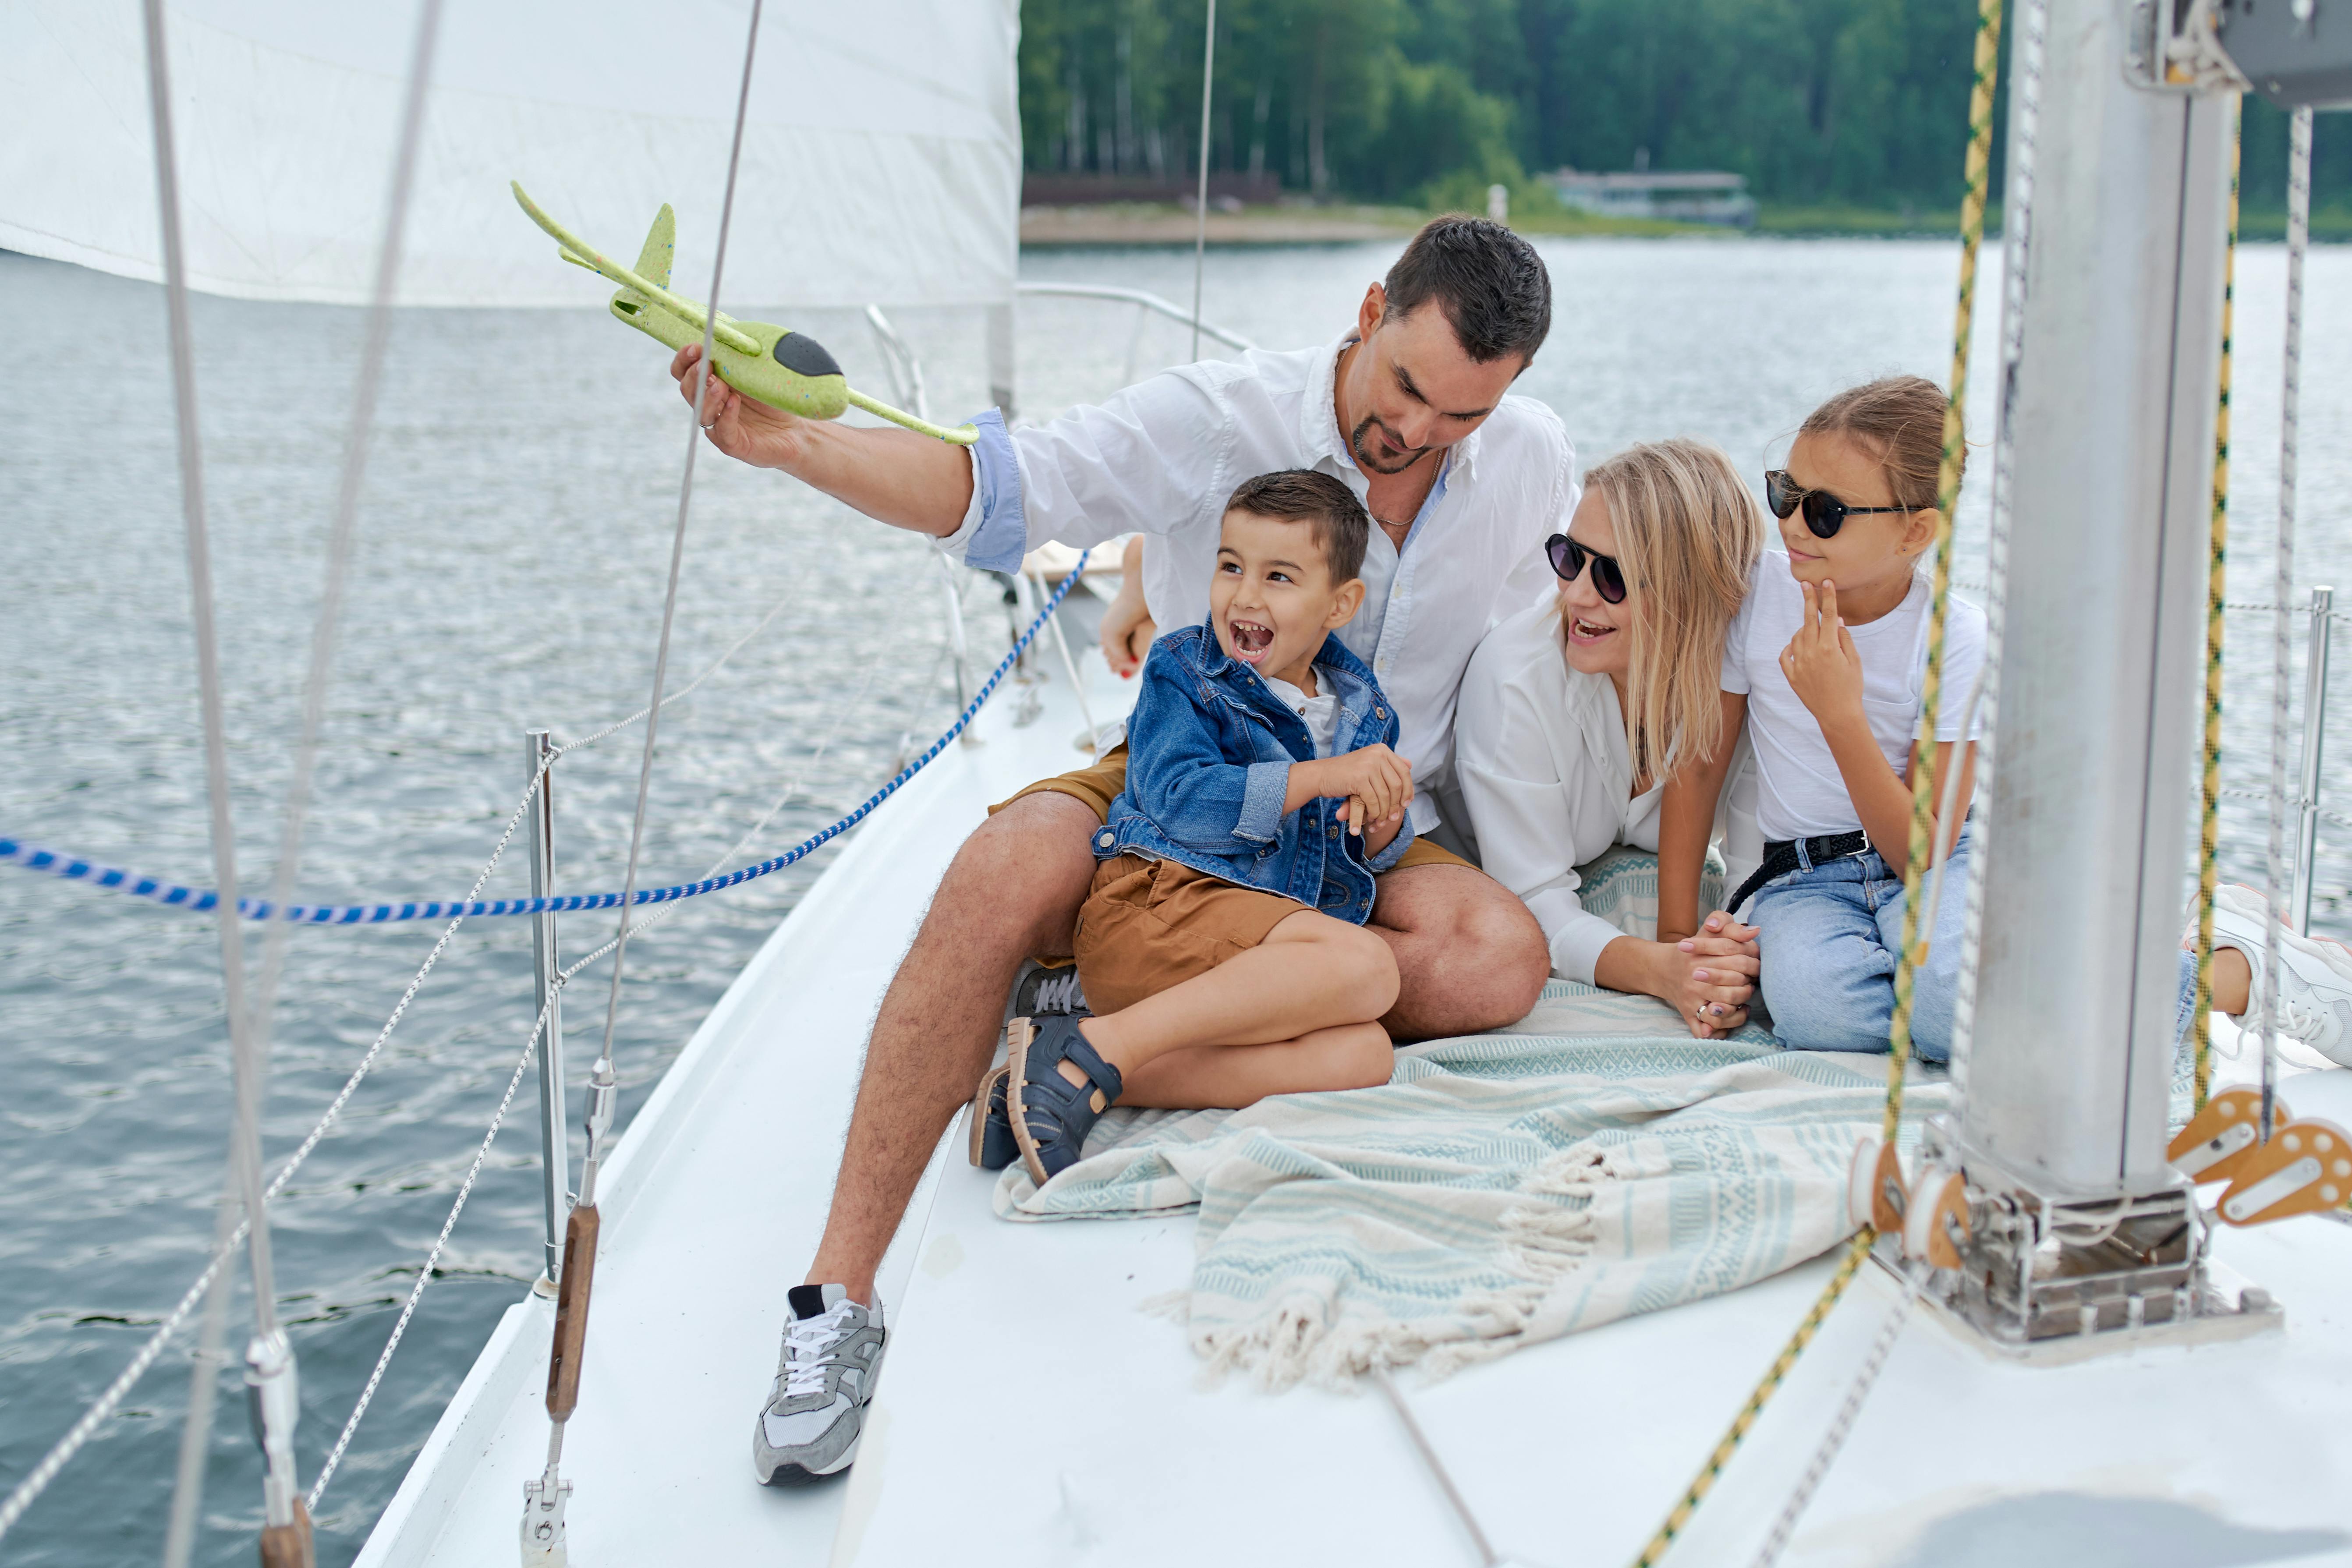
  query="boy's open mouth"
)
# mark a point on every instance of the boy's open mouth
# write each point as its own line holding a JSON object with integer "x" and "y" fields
{"x": 1250, "y": 640}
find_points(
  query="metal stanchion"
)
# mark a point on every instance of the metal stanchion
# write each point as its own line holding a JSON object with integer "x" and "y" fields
{"x": 2315, "y": 734}
{"x": 538, "y": 751}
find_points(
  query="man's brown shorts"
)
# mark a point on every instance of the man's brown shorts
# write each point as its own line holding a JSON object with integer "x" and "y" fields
{"x": 1149, "y": 924}
{"x": 1099, "y": 786}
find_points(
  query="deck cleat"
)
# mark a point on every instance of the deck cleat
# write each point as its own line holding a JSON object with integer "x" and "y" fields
{"x": 773, "y": 364}
{"x": 2218, "y": 1140}
{"x": 2305, "y": 1166}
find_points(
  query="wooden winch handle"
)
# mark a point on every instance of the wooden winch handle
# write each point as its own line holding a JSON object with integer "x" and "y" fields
{"x": 572, "y": 1312}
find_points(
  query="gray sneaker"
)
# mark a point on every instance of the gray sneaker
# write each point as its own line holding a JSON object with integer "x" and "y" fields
{"x": 1042, "y": 993}
{"x": 817, "y": 1411}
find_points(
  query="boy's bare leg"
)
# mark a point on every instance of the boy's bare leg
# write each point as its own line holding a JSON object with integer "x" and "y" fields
{"x": 1216, "y": 1078}
{"x": 1311, "y": 972}
{"x": 1014, "y": 890}
{"x": 1469, "y": 956}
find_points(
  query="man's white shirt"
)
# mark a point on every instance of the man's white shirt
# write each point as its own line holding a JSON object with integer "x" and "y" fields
{"x": 1161, "y": 457}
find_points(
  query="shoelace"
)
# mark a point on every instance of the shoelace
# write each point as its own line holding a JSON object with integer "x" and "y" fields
{"x": 1059, "y": 993}
{"x": 2302, "y": 1019}
{"x": 805, "y": 1347}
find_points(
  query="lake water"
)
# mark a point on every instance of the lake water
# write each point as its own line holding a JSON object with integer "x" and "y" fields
{"x": 515, "y": 532}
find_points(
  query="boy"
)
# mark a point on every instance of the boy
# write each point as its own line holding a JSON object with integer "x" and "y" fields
{"x": 1237, "y": 868}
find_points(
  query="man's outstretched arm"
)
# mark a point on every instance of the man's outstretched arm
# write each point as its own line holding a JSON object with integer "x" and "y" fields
{"x": 893, "y": 476}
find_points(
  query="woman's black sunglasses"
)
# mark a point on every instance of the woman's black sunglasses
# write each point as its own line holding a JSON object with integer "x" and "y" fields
{"x": 1568, "y": 558}
{"x": 1824, "y": 513}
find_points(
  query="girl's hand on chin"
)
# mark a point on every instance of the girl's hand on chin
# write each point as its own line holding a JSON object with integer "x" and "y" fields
{"x": 1820, "y": 661}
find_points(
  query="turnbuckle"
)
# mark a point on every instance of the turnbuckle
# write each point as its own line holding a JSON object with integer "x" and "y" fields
{"x": 274, "y": 1401}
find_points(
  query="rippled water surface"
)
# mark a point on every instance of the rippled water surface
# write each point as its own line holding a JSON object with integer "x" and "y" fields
{"x": 514, "y": 535}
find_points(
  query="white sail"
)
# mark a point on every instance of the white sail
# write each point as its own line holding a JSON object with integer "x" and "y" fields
{"x": 881, "y": 158}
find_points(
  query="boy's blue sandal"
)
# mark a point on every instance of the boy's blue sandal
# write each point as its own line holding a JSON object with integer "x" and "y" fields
{"x": 993, "y": 1146}
{"x": 1051, "y": 1116}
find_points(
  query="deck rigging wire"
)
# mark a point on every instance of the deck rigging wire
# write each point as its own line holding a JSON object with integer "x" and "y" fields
{"x": 38, "y": 1479}
{"x": 188, "y": 1489}
{"x": 1923, "y": 779}
{"x": 2298, "y": 240}
{"x": 269, "y": 1358}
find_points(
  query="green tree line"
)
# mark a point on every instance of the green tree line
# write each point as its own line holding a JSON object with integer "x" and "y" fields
{"x": 1852, "y": 102}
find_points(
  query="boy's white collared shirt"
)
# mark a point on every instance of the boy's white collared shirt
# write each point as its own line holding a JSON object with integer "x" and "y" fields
{"x": 1161, "y": 457}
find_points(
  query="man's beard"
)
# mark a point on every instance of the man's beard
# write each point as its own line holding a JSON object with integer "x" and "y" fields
{"x": 1362, "y": 449}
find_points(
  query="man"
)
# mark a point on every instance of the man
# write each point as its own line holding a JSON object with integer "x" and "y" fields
{"x": 1409, "y": 409}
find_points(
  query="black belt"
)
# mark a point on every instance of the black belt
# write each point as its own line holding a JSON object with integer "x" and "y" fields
{"x": 1781, "y": 858}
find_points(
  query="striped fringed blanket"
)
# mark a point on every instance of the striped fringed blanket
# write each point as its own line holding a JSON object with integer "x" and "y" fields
{"x": 1500, "y": 1190}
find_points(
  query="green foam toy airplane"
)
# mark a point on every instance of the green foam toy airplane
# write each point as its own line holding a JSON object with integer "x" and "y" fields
{"x": 780, "y": 367}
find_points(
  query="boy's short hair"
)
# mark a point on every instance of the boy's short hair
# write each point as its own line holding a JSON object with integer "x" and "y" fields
{"x": 1491, "y": 284}
{"x": 1342, "y": 528}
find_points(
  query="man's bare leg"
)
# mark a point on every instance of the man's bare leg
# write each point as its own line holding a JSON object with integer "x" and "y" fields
{"x": 1014, "y": 890}
{"x": 1469, "y": 956}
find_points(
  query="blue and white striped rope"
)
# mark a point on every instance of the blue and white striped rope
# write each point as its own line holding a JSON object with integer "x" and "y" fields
{"x": 32, "y": 858}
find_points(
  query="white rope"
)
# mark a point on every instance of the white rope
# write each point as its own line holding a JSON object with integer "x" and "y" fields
{"x": 1983, "y": 709}
{"x": 2017, "y": 249}
{"x": 424, "y": 1273}
{"x": 2274, "y": 874}
{"x": 1915, "y": 1277}
{"x": 797, "y": 590}
{"x": 38, "y": 1479}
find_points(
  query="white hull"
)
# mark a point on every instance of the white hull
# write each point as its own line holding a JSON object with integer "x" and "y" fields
{"x": 1031, "y": 1412}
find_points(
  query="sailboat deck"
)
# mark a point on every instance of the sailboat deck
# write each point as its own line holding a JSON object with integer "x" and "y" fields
{"x": 1032, "y": 1412}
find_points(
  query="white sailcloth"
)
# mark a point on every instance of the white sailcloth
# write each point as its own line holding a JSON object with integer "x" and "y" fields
{"x": 881, "y": 158}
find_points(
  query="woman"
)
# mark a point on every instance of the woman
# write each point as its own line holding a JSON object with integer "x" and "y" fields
{"x": 1575, "y": 712}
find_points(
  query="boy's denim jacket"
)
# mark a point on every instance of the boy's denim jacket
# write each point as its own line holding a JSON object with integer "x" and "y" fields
{"x": 1208, "y": 750}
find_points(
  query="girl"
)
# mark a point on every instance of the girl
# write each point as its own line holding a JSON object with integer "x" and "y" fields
{"x": 1825, "y": 665}
{"x": 1574, "y": 712}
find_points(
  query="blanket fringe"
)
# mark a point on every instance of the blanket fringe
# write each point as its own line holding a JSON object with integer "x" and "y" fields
{"x": 1544, "y": 1241}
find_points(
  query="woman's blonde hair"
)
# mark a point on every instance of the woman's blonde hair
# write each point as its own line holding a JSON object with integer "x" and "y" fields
{"x": 1899, "y": 420}
{"x": 1688, "y": 535}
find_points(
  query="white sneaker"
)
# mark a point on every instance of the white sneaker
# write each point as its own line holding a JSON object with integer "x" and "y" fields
{"x": 2316, "y": 983}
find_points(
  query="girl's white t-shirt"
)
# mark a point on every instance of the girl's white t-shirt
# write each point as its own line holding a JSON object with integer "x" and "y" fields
{"x": 1799, "y": 792}
{"x": 1321, "y": 713}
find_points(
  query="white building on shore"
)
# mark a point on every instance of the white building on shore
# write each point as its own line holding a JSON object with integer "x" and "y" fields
{"x": 1682, "y": 196}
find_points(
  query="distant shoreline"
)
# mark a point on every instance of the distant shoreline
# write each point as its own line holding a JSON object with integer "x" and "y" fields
{"x": 1169, "y": 225}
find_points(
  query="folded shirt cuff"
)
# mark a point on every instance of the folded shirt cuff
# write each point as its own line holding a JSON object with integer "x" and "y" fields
{"x": 1576, "y": 946}
{"x": 994, "y": 533}
{"x": 1261, "y": 797}
{"x": 1387, "y": 858}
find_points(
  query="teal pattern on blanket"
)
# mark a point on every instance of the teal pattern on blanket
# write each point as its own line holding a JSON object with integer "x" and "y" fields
{"x": 1503, "y": 1189}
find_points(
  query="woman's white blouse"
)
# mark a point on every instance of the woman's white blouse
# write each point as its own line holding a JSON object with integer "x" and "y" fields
{"x": 1541, "y": 761}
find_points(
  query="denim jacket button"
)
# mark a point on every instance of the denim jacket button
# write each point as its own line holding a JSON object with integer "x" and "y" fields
{"x": 1335, "y": 830}
{"x": 1380, "y": 712}
{"x": 1105, "y": 839}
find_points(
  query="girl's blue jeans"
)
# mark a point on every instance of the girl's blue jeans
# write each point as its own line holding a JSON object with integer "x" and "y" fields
{"x": 1828, "y": 935}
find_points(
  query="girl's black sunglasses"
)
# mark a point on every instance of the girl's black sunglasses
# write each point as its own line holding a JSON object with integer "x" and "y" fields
{"x": 1568, "y": 558}
{"x": 1824, "y": 513}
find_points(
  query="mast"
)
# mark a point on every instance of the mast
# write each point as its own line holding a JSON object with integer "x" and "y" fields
{"x": 2112, "y": 415}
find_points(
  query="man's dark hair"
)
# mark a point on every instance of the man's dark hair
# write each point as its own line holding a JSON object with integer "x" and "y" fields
{"x": 1491, "y": 284}
{"x": 1341, "y": 526}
